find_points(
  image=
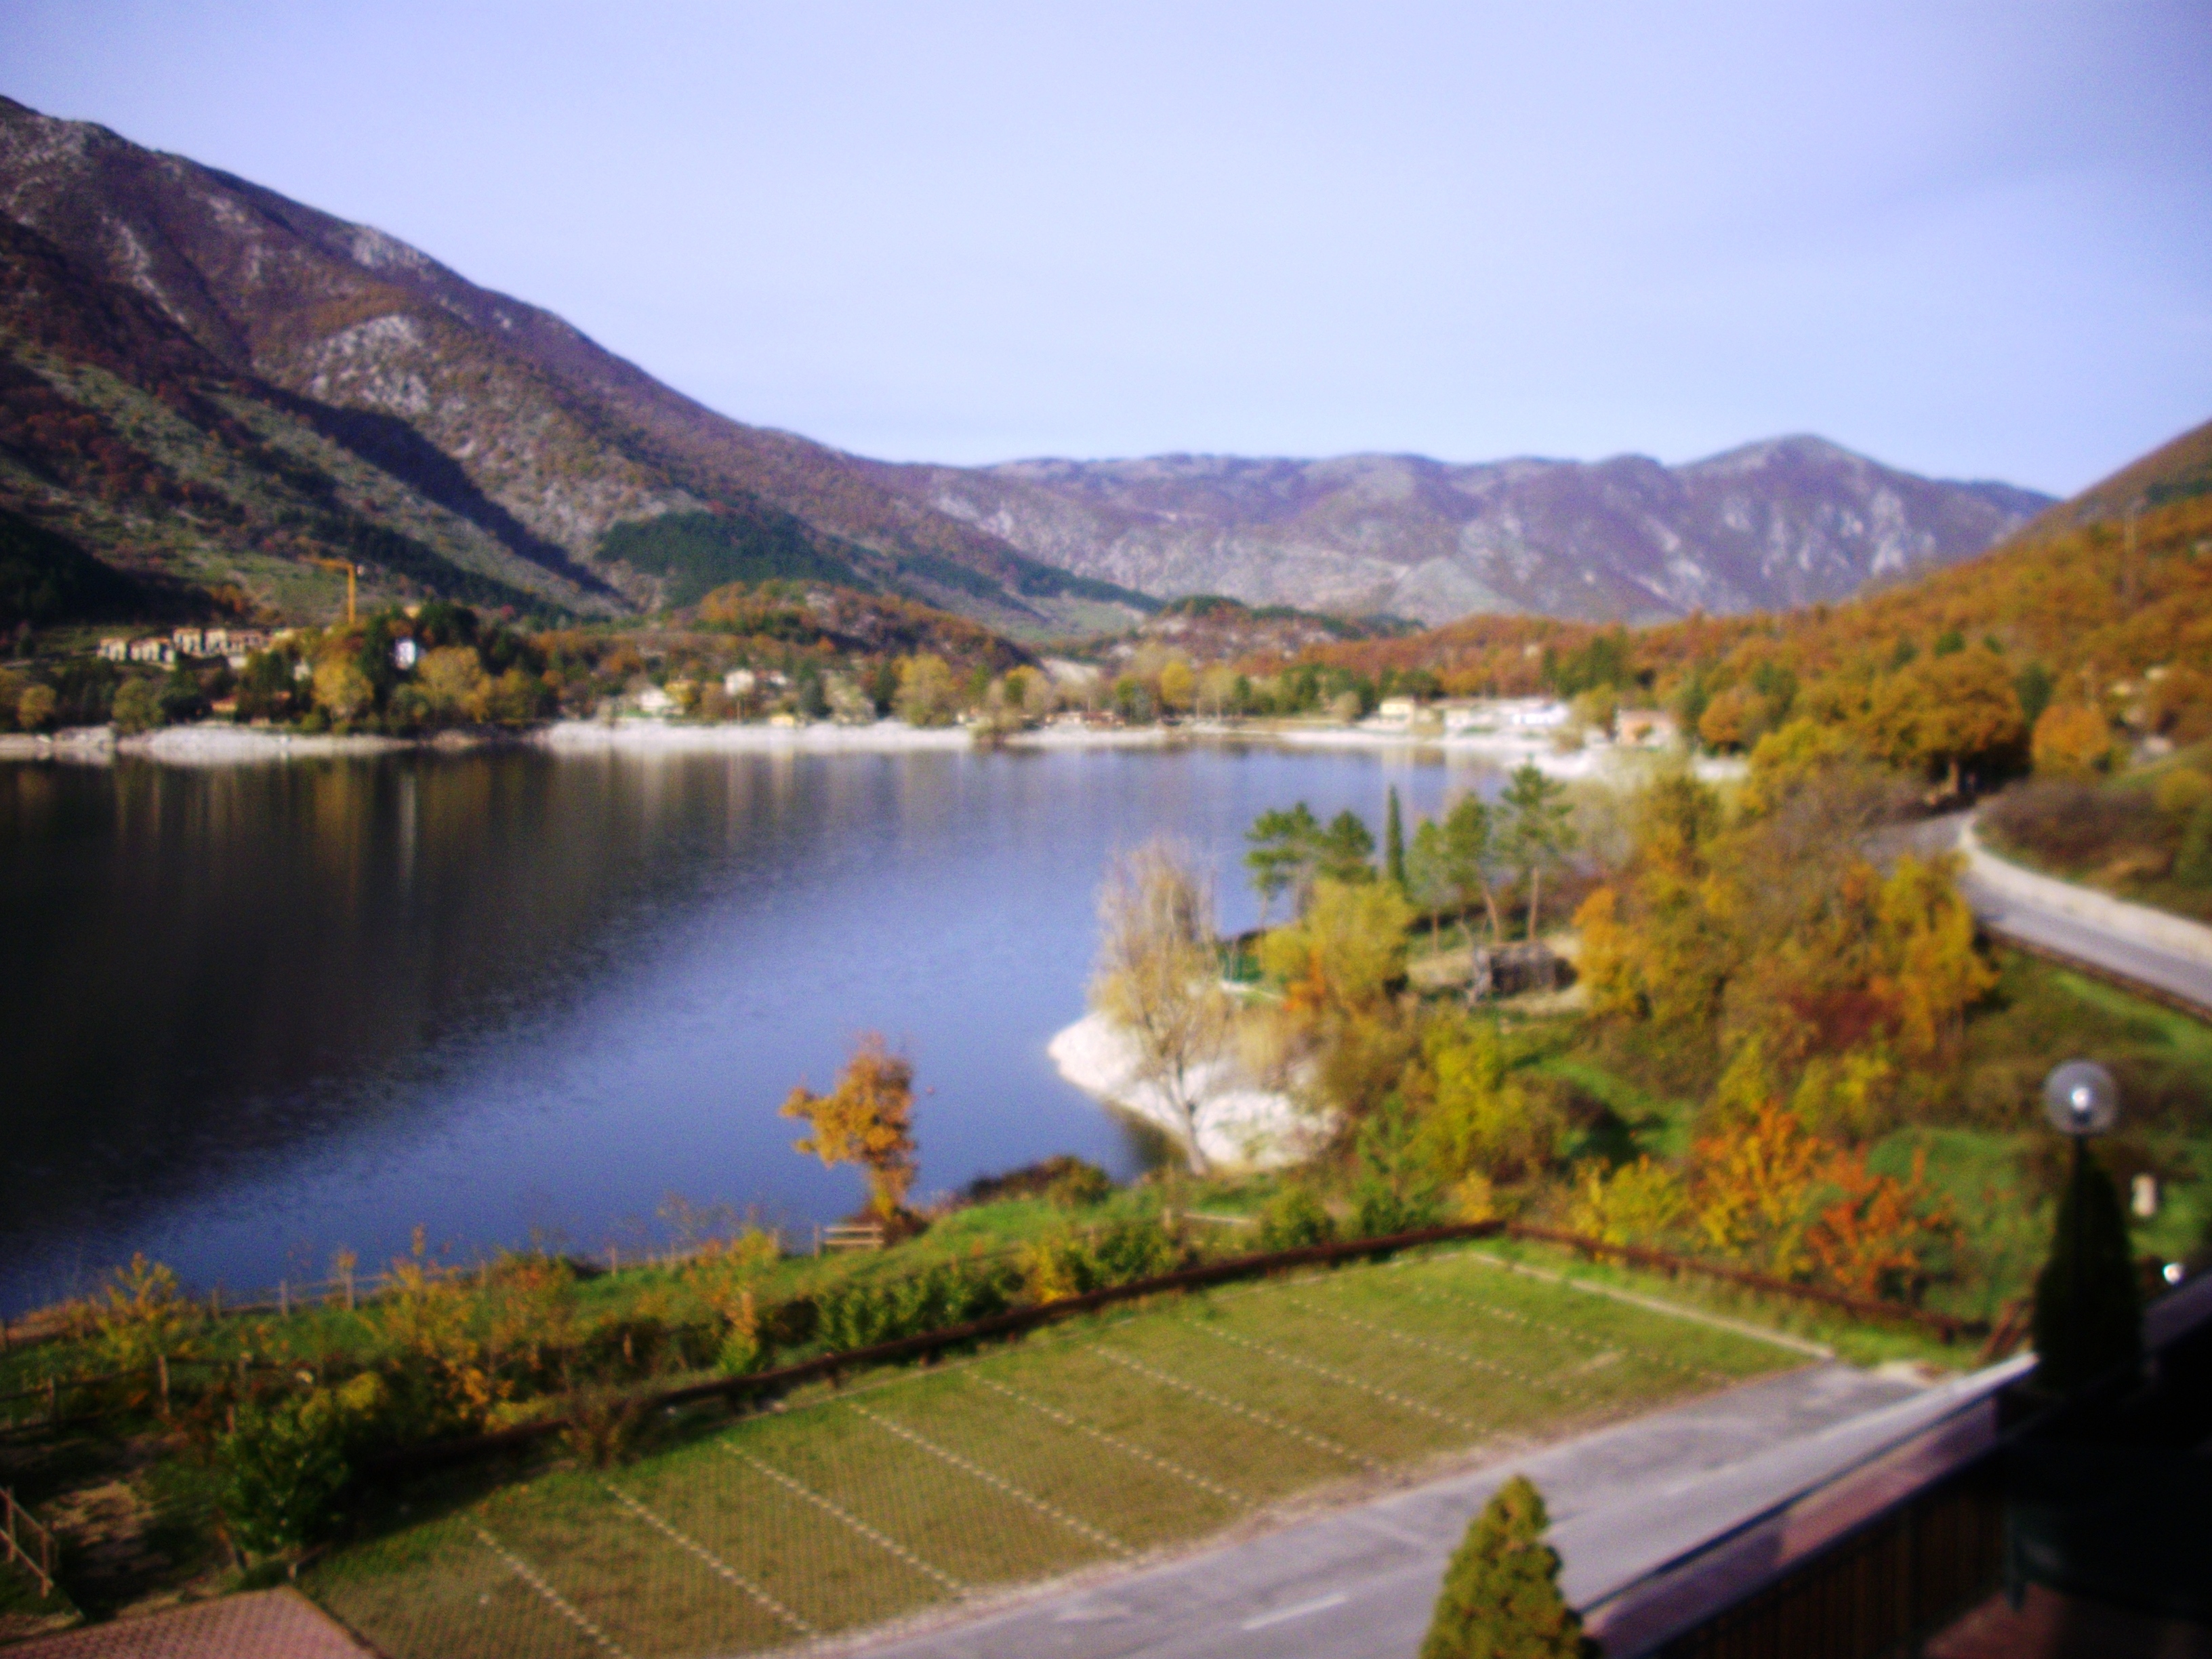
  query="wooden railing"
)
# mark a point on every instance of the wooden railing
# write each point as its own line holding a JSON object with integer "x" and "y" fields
{"x": 24, "y": 1540}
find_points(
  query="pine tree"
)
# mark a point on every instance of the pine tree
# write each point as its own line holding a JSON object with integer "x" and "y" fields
{"x": 1501, "y": 1592}
{"x": 2089, "y": 1319}
{"x": 1394, "y": 844}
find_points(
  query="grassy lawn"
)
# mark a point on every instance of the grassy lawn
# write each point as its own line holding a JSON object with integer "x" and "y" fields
{"x": 1098, "y": 1443}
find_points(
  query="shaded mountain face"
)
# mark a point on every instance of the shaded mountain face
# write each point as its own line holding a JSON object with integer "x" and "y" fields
{"x": 1769, "y": 525}
{"x": 497, "y": 437}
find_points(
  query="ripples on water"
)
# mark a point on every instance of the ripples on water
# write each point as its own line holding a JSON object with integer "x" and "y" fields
{"x": 250, "y": 1014}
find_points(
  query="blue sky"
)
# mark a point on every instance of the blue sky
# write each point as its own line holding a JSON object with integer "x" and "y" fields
{"x": 1974, "y": 240}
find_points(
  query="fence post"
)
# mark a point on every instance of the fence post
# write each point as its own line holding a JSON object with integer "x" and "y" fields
{"x": 283, "y": 1298}
{"x": 161, "y": 1381}
{"x": 348, "y": 1286}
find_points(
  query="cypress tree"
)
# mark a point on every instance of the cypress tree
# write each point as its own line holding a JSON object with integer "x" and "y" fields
{"x": 1501, "y": 1592}
{"x": 2089, "y": 1316}
{"x": 1394, "y": 844}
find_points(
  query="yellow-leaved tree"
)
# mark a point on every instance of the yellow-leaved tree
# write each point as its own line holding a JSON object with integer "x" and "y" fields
{"x": 867, "y": 1119}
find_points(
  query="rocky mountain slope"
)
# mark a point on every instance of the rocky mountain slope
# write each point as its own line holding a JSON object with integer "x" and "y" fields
{"x": 1768, "y": 526}
{"x": 204, "y": 381}
{"x": 491, "y": 434}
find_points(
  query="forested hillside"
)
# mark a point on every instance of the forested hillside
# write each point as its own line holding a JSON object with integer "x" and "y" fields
{"x": 2114, "y": 615}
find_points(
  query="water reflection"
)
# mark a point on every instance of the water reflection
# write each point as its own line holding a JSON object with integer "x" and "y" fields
{"x": 248, "y": 1014}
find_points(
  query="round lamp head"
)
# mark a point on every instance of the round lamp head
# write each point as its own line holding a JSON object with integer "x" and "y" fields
{"x": 2080, "y": 1098}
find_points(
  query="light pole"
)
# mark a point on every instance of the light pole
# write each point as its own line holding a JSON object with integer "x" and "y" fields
{"x": 2080, "y": 1100}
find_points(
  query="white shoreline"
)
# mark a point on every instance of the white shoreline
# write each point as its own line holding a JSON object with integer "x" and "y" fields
{"x": 1240, "y": 1128}
{"x": 213, "y": 743}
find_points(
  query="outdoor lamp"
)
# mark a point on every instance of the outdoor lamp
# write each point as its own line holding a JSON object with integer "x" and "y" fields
{"x": 2080, "y": 1099}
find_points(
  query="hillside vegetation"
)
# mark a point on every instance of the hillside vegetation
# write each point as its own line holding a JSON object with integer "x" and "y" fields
{"x": 1955, "y": 669}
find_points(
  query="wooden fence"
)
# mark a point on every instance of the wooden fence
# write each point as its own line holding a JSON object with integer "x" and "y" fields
{"x": 51, "y": 1393}
{"x": 24, "y": 1540}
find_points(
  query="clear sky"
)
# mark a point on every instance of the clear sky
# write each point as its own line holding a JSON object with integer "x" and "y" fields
{"x": 1972, "y": 239}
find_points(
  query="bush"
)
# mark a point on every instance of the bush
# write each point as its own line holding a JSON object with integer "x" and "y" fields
{"x": 138, "y": 706}
{"x": 2072, "y": 824}
{"x": 1501, "y": 1592}
{"x": 1293, "y": 1220}
{"x": 34, "y": 707}
{"x": 287, "y": 1468}
{"x": 1379, "y": 1210}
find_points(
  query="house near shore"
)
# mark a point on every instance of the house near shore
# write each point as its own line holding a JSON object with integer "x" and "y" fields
{"x": 1507, "y": 714}
{"x": 154, "y": 649}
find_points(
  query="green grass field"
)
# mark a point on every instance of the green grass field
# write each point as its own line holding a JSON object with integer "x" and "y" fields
{"x": 1103, "y": 1441}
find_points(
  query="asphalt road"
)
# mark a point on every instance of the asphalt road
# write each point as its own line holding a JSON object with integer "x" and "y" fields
{"x": 2185, "y": 978}
{"x": 2010, "y": 916}
{"x": 1357, "y": 1584}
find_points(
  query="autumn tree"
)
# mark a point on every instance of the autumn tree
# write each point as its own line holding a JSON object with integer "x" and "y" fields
{"x": 1342, "y": 956}
{"x": 1158, "y": 978}
{"x": 34, "y": 707}
{"x": 926, "y": 690}
{"x": 1501, "y": 1596}
{"x": 1948, "y": 716}
{"x": 867, "y": 1119}
{"x": 2071, "y": 741}
{"x": 341, "y": 690}
{"x": 1178, "y": 685}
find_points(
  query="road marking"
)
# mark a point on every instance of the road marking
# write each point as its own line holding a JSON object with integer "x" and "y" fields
{"x": 1050, "y": 1510}
{"x": 850, "y": 1519}
{"x": 1653, "y": 1304}
{"x": 1514, "y": 1316}
{"x": 1443, "y": 1350}
{"x": 1342, "y": 1379}
{"x": 1248, "y": 1412}
{"x": 721, "y": 1567}
{"x": 1284, "y": 1616}
{"x": 522, "y": 1569}
{"x": 1115, "y": 1442}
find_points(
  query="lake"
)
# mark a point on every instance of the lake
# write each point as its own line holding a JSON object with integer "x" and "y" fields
{"x": 250, "y": 1014}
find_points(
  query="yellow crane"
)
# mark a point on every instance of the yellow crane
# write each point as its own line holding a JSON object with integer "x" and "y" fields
{"x": 351, "y": 572}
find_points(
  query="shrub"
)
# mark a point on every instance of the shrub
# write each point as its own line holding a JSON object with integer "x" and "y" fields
{"x": 2088, "y": 1317}
{"x": 2074, "y": 823}
{"x": 1135, "y": 1247}
{"x": 1294, "y": 1219}
{"x": 1632, "y": 1204}
{"x": 287, "y": 1468}
{"x": 604, "y": 1428}
{"x": 1501, "y": 1592}
{"x": 137, "y": 707}
{"x": 2192, "y": 862}
{"x": 34, "y": 707}
{"x": 1379, "y": 1210}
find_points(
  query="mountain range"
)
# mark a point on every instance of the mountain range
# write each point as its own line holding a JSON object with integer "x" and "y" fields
{"x": 207, "y": 386}
{"x": 1763, "y": 527}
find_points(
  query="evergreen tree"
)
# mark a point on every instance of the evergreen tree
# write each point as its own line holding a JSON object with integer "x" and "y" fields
{"x": 1501, "y": 1592}
{"x": 2089, "y": 1319}
{"x": 1394, "y": 844}
{"x": 1537, "y": 833}
{"x": 1285, "y": 847}
{"x": 1348, "y": 850}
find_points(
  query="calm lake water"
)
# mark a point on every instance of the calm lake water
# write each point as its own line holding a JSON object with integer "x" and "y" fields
{"x": 251, "y": 1014}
